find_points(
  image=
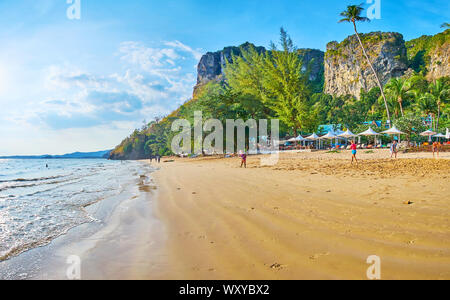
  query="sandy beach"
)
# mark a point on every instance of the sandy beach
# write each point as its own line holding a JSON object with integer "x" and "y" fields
{"x": 311, "y": 216}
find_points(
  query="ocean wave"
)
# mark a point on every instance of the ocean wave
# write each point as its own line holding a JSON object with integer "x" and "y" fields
{"x": 16, "y": 186}
{"x": 16, "y": 250}
{"x": 33, "y": 179}
{"x": 60, "y": 201}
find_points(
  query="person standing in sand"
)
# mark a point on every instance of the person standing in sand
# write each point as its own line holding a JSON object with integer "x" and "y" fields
{"x": 243, "y": 159}
{"x": 353, "y": 147}
{"x": 436, "y": 148}
{"x": 394, "y": 149}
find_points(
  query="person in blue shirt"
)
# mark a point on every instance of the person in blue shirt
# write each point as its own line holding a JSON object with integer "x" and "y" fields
{"x": 394, "y": 149}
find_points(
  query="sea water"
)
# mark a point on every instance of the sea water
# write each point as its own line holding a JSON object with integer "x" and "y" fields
{"x": 41, "y": 200}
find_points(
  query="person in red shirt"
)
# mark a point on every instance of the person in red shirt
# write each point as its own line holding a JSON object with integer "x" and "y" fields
{"x": 353, "y": 148}
{"x": 243, "y": 159}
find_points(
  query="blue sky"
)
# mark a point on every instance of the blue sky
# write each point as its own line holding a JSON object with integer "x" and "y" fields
{"x": 84, "y": 85}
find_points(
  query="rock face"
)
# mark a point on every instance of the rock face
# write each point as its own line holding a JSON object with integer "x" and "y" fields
{"x": 211, "y": 65}
{"x": 431, "y": 54}
{"x": 347, "y": 70}
{"x": 439, "y": 62}
{"x": 316, "y": 58}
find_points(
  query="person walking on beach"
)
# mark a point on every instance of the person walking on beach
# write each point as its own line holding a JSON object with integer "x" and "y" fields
{"x": 436, "y": 147}
{"x": 353, "y": 148}
{"x": 244, "y": 159}
{"x": 158, "y": 158}
{"x": 394, "y": 149}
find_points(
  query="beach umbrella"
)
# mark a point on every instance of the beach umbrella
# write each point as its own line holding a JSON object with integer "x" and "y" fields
{"x": 300, "y": 139}
{"x": 429, "y": 134}
{"x": 329, "y": 136}
{"x": 348, "y": 134}
{"x": 439, "y": 136}
{"x": 369, "y": 132}
{"x": 297, "y": 139}
{"x": 313, "y": 137}
{"x": 394, "y": 131}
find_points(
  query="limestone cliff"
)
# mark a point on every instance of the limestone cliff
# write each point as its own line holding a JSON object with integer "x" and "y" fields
{"x": 315, "y": 58}
{"x": 211, "y": 65}
{"x": 347, "y": 70}
{"x": 431, "y": 54}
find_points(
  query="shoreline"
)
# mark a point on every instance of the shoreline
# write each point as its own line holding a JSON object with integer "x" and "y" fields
{"x": 123, "y": 242}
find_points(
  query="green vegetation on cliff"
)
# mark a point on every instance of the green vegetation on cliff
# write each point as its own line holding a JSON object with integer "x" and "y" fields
{"x": 419, "y": 49}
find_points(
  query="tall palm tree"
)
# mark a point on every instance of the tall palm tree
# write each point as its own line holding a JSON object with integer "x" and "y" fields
{"x": 398, "y": 88}
{"x": 353, "y": 15}
{"x": 445, "y": 25}
{"x": 440, "y": 93}
{"x": 426, "y": 105}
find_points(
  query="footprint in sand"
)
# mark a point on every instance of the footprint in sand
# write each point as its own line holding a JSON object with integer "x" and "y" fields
{"x": 277, "y": 266}
{"x": 318, "y": 255}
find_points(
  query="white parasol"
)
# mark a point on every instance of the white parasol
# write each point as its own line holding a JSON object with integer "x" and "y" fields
{"x": 393, "y": 131}
{"x": 300, "y": 139}
{"x": 369, "y": 132}
{"x": 428, "y": 133}
{"x": 313, "y": 137}
{"x": 348, "y": 134}
{"x": 329, "y": 136}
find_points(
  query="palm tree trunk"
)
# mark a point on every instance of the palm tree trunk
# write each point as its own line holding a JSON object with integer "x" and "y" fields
{"x": 375, "y": 73}
{"x": 400, "y": 102}
{"x": 439, "y": 116}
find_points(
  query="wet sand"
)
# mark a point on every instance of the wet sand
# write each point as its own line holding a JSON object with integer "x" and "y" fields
{"x": 311, "y": 216}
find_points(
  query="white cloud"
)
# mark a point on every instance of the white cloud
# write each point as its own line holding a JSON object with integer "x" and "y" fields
{"x": 179, "y": 45}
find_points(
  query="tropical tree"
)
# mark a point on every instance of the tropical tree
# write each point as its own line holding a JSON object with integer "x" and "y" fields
{"x": 397, "y": 89}
{"x": 287, "y": 89}
{"x": 440, "y": 93}
{"x": 410, "y": 124}
{"x": 353, "y": 15}
{"x": 445, "y": 25}
{"x": 426, "y": 105}
{"x": 245, "y": 73}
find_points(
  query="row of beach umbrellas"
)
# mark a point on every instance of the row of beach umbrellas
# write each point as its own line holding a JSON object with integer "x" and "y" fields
{"x": 369, "y": 132}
